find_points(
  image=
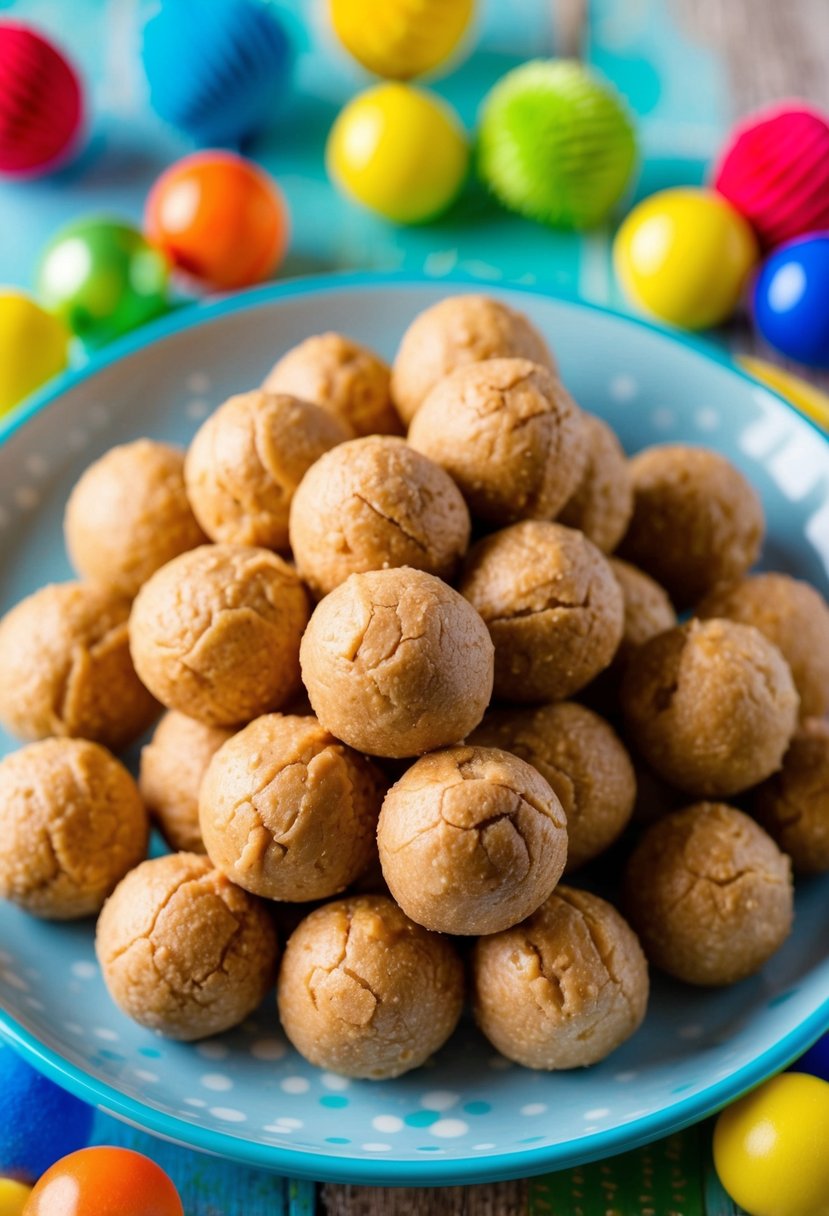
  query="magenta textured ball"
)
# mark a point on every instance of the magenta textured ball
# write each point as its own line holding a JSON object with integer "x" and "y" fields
{"x": 41, "y": 102}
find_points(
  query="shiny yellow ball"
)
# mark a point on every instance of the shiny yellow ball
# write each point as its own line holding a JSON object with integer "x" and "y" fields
{"x": 770, "y": 1148}
{"x": 401, "y": 38}
{"x": 684, "y": 255}
{"x": 34, "y": 346}
{"x": 13, "y": 1196}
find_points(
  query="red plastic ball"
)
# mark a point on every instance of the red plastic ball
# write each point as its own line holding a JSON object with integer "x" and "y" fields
{"x": 104, "y": 1182}
{"x": 219, "y": 218}
{"x": 41, "y": 102}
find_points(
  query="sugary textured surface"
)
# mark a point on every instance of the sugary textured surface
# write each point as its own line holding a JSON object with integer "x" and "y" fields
{"x": 373, "y": 504}
{"x": 648, "y": 609}
{"x": 602, "y": 504}
{"x": 65, "y": 667}
{"x": 182, "y": 950}
{"x": 710, "y": 894}
{"x": 510, "y": 436}
{"x": 793, "y": 805}
{"x": 72, "y": 824}
{"x": 365, "y": 992}
{"x": 215, "y": 633}
{"x": 396, "y": 663}
{"x": 552, "y": 607}
{"x": 472, "y": 840}
{"x": 173, "y": 764}
{"x": 565, "y": 988}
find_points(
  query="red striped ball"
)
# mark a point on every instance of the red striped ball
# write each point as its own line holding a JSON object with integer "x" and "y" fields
{"x": 41, "y": 102}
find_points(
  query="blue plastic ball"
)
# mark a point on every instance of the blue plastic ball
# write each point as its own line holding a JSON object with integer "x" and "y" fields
{"x": 791, "y": 300}
{"x": 816, "y": 1060}
{"x": 39, "y": 1121}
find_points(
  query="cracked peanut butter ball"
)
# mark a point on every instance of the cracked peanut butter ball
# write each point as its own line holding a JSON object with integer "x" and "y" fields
{"x": 793, "y": 805}
{"x": 173, "y": 764}
{"x": 711, "y": 705}
{"x": 396, "y": 663}
{"x": 564, "y": 988}
{"x": 72, "y": 824}
{"x": 365, "y": 992}
{"x": 509, "y": 434}
{"x": 471, "y": 840}
{"x": 65, "y": 668}
{"x": 182, "y": 950}
{"x": 602, "y": 503}
{"x": 552, "y": 607}
{"x": 456, "y": 331}
{"x": 710, "y": 894}
{"x": 248, "y": 458}
{"x": 215, "y": 633}
{"x": 129, "y": 515}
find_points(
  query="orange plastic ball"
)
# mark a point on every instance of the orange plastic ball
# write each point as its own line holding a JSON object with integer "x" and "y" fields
{"x": 104, "y": 1182}
{"x": 219, "y": 218}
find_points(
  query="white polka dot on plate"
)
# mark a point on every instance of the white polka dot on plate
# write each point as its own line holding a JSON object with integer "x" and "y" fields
{"x": 227, "y": 1114}
{"x": 623, "y": 387}
{"x": 624, "y": 1077}
{"x": 292, "y": 1124}
{"x": 26, "y": 497}
{"x": 268, "y": 1049}
{"x": 211, "y": 1050}
{"x": 84, "y": 970}
{"x": 448, "y": 1129}
{"x": 73, "y": 1027}
{"x": 707, "y": 419}
{"x": 77, "y": 439}
{"x": 483, "y": 1148}
{"x": 295, "y": 1085}
{"x": 35, "y": 1004}
{"x": 277, "y": 1129}
{"x": 692, "y": 1030}
{"x": 439, "y": 1099}
{"x": 197, "y": 409}
{"x": 387, "y": 1124}
{"x": 331, "y": 1080}
{"x": 198, "y": 382}
{"x": 600, "y": 1112}
{"x": 373, "y": 1147}
{"x": 198, "y": 1103}
{"x": 216, "y": 1081}
{"x": 13, "y": 980}
{"x": 534, "y": 1108}
{"x": 105, "y": 1034}
{"x": 663, "y": 419}
{"x": 36, "y": 465}
{"x": 144, "y": 1074}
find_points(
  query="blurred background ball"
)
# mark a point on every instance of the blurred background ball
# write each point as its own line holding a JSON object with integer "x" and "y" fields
{"x": 791, "y": 300}
{"x": 684, "y": 255}
{"x": 401, "y": 38}
{"x": 34, "y": 346}
{"x": 556, "y": 144}
{"x": 816, "y": 1060}
{"x": 219, "y": 219}
{"x": 105, "y": 1181}
{"x": 39, "y": 1121}
{"x": 13, "y": 1197}
{"x": 41, "y": 102}
{"x": 399, "y": 151}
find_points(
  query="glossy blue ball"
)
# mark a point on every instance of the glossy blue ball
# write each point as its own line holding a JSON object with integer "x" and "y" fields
{"x": 816, "y": 1060}
{"x": 791, "y": 300}
{"x": 39, "y": 1121}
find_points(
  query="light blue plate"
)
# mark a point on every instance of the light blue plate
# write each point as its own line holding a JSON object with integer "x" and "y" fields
{"x": 469, "y": 1116}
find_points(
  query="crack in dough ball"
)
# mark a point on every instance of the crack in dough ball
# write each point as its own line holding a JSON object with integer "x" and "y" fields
{"x": 365, "y": 992}
{"x": 793, "y": 805}
{"x": 182, "y": 950}
{"x": 710, "y": 894}
{"x": 173, "y": 764}
{"x": 72, "y": 824}
{"x": 215, "y": 633}
{"x": 563, "y": 989}
{"x": 602, "y": 504}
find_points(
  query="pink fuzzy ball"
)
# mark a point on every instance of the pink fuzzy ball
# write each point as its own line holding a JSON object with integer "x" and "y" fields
{"x": 775, "y": 171}
{"x": 41, "y": 103}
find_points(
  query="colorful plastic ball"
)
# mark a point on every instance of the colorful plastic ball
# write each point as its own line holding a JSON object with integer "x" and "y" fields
{"x": 40, "y": 1121}
{"x": 105, "y": 1182}
{"x": 816, "y": 1060}
{"x": 13, "y": 1197}
{"x": 556, "y": 144}
{"x": 41, "y": 102}
{"x": 102, "y": 279}
{"x": 770, "y": 1148}
{"x": 219, "y": 218}
{"x": 775, "y": 171}
{"x": 401, "y": 38}
{"x": 684, "y": 255}
{"x": 399, "y": 151}
{"x": 815, "y": 404}
{"x": 791, "y": 300}
{"x": 34, "y": 346}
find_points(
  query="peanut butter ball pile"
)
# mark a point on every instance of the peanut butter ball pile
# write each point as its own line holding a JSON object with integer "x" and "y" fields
{"x": 401, "y": 683}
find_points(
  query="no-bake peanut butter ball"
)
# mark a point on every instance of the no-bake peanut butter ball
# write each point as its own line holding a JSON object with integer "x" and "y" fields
{"x": 552, "y": 607}
{"x": 710, "y": 894}
{"x": 648, "y": 609}
{"x": 602, "y": 503}
{"x": 365, "y": 992}
{"x": 173, "y": 764}
{"x": 71, "y": 825}
{"x": 472, "y": 840}
{"x": 65, "y": 667}
{"x": 182, "y": 950}
{"x": 373, "y": 504}
{"x": 396, "y": 663}
{"x": 564, "y": 988}
{"x": 215, "y": 633}
{"x": 793, "y": 805}
{"x": 247, "y": 460}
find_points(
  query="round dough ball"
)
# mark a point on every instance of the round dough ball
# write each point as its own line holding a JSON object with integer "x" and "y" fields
{"x": 344, "y": 378}
{"x": 365, "y": 992}
{"x": 711, "y": 705}
{"x": 648, "y": 610}
{"x": 173, "y": 764}
{"x": 129, "y": 515}
{"x": 710, "y": 894}
{"x": 793, "y": 805}
{"x": 247, "y": 460}
{"x": 472, "y": 840}
{"x": 396, "y": 663}
{"x": 696, "y": 520}
{"x": 793, "y": 615}
{"x": 583, "y": 760}
{"x": 65, "y": 668}
{"x": 602, "y": 504}
{"x": 565, "y": 988}
{"x": 215, "y": 633}
{"x": 456, "y": 331}
{"x": 289, "y": 812}
{"x": 552, "y": 607}
{"x": 509, "y": 434}
{"x": 182, "y": 950}
{"x": 72, "y": 824}
{"x": 373, "y": 504}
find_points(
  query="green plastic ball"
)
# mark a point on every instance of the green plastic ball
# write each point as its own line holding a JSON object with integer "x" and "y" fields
{"x": 556, "y": 144}
{"x": 102, "y": 279}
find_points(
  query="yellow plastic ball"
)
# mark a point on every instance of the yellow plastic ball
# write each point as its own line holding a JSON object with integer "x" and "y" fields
{"x": 400, "y": 151}
{"x": 771, "y": 1148}
{"x": 34, "y": 346}
{"x": 401, "y": 38}
{"x": 13, "y": 1196}
{"x": 684, "y": 255}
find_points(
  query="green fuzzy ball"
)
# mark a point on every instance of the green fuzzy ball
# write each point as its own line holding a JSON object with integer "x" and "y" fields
{"x": 556, "y": 144}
